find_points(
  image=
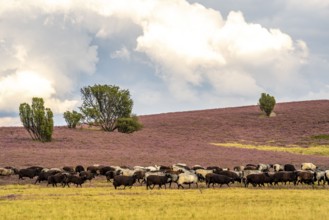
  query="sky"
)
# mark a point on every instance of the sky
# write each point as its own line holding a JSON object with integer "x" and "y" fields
{"x": 172, "y": 55}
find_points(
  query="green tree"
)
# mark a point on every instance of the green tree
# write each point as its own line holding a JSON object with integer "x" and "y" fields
{"x": 72, "y": 118}
{"x": 37, "y": 119}
{"x": 104, "y": 104}
{"x": 129, "y": 125}
{"x": 266, "y": 103}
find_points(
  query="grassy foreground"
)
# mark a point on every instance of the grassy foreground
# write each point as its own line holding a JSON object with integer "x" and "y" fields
{"x": 321, "y": 150}
{"x": 101, "y": 201}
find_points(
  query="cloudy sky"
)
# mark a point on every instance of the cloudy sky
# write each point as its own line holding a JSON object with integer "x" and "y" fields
{"x": 172, "y": 55}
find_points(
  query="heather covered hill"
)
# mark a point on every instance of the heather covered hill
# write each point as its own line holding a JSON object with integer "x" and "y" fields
{"x": 180, "y": 137}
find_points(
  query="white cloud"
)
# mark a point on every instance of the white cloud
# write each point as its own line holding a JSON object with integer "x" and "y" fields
{"x": 10, "y": 121}
{"x": 43, "y": 53}
{"x": 223, "y": 53}
{"x": 123, "y": 53}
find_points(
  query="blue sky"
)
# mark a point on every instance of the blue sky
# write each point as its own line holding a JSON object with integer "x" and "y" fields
{"x": 172, "y": 55}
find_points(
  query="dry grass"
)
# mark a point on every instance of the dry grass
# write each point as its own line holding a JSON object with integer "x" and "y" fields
{"x": 103, "y": 202}
{"x": 320, "y": 150}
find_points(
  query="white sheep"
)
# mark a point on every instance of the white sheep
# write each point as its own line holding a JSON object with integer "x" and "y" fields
{"x": 203, "y": 172}
{"x": 185, "y": 178}
{"x": 264, "y": 167}
{"x": 278, "y": 167}
{"x": 127, "y": 172}
{"x": 320, "y": 176}
{"x": 326, "y": 175}
{"x": 308, "y": 166}
{"x": 6, "y": 172}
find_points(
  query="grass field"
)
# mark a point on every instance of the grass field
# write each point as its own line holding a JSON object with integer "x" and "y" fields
{"x": 101, "y": 201}
{"x": 321, "y": 150}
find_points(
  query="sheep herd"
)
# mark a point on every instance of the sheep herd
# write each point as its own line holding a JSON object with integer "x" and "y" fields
{"x": 179, "y": 174}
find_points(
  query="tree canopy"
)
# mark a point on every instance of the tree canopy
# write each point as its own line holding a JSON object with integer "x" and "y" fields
{"x": 266, "y": 103}
{"x": 72, "y": 118}
{"x": 37, "y": 119}
{"x": 104, "y": 104}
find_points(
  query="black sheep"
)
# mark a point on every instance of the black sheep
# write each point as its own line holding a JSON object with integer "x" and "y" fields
{"x": 230, "y": 174}
{"x": 87, "y": 175}
{"x": 29, "y": 172}
{"x": 79, "y": 168}
{"x": 284, "y": 177}
{"x": 157, "y": 180}
{"x": 77, "y": 180}
{"x": 103, "y": 170}
{"x": 124, "y": 181}
{"x": 69, "y": 169}
{"x": 256, "y": 179}
{"x": 289, "y": 167}
{"x": 43, "y": 176}
{"x": 212, "y": 178}
{"x": 57, "y": 178}
{"x": 306, "y": 177}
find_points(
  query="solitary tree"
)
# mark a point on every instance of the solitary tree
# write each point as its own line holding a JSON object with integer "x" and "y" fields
{"x": 104, "y": 104}
{"x": 37, "y": 119}
{"x": 72, "y": 118}
{"x": 266, "y": 103}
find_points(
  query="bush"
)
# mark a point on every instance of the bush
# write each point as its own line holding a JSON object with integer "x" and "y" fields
{"x": 266, "y": 103}
{"x": 128, "y": 125}
{"x": 37, "y": 120}
{"x": 72, "y": 118}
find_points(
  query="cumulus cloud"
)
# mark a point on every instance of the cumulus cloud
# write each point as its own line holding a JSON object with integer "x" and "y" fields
{"x": 42, "y": 51}
{"x": 227, "y": 54}
{"x": 48, "y": 47}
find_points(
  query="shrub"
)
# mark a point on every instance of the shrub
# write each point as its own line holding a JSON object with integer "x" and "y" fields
{"x": 37, "y": 119}
{"x": 72, "y": 118}
{"x": 128, "y": 125}
{"x": 266, "y": 103}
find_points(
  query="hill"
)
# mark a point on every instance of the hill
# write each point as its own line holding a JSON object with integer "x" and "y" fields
{"x": 180, "y": 137}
